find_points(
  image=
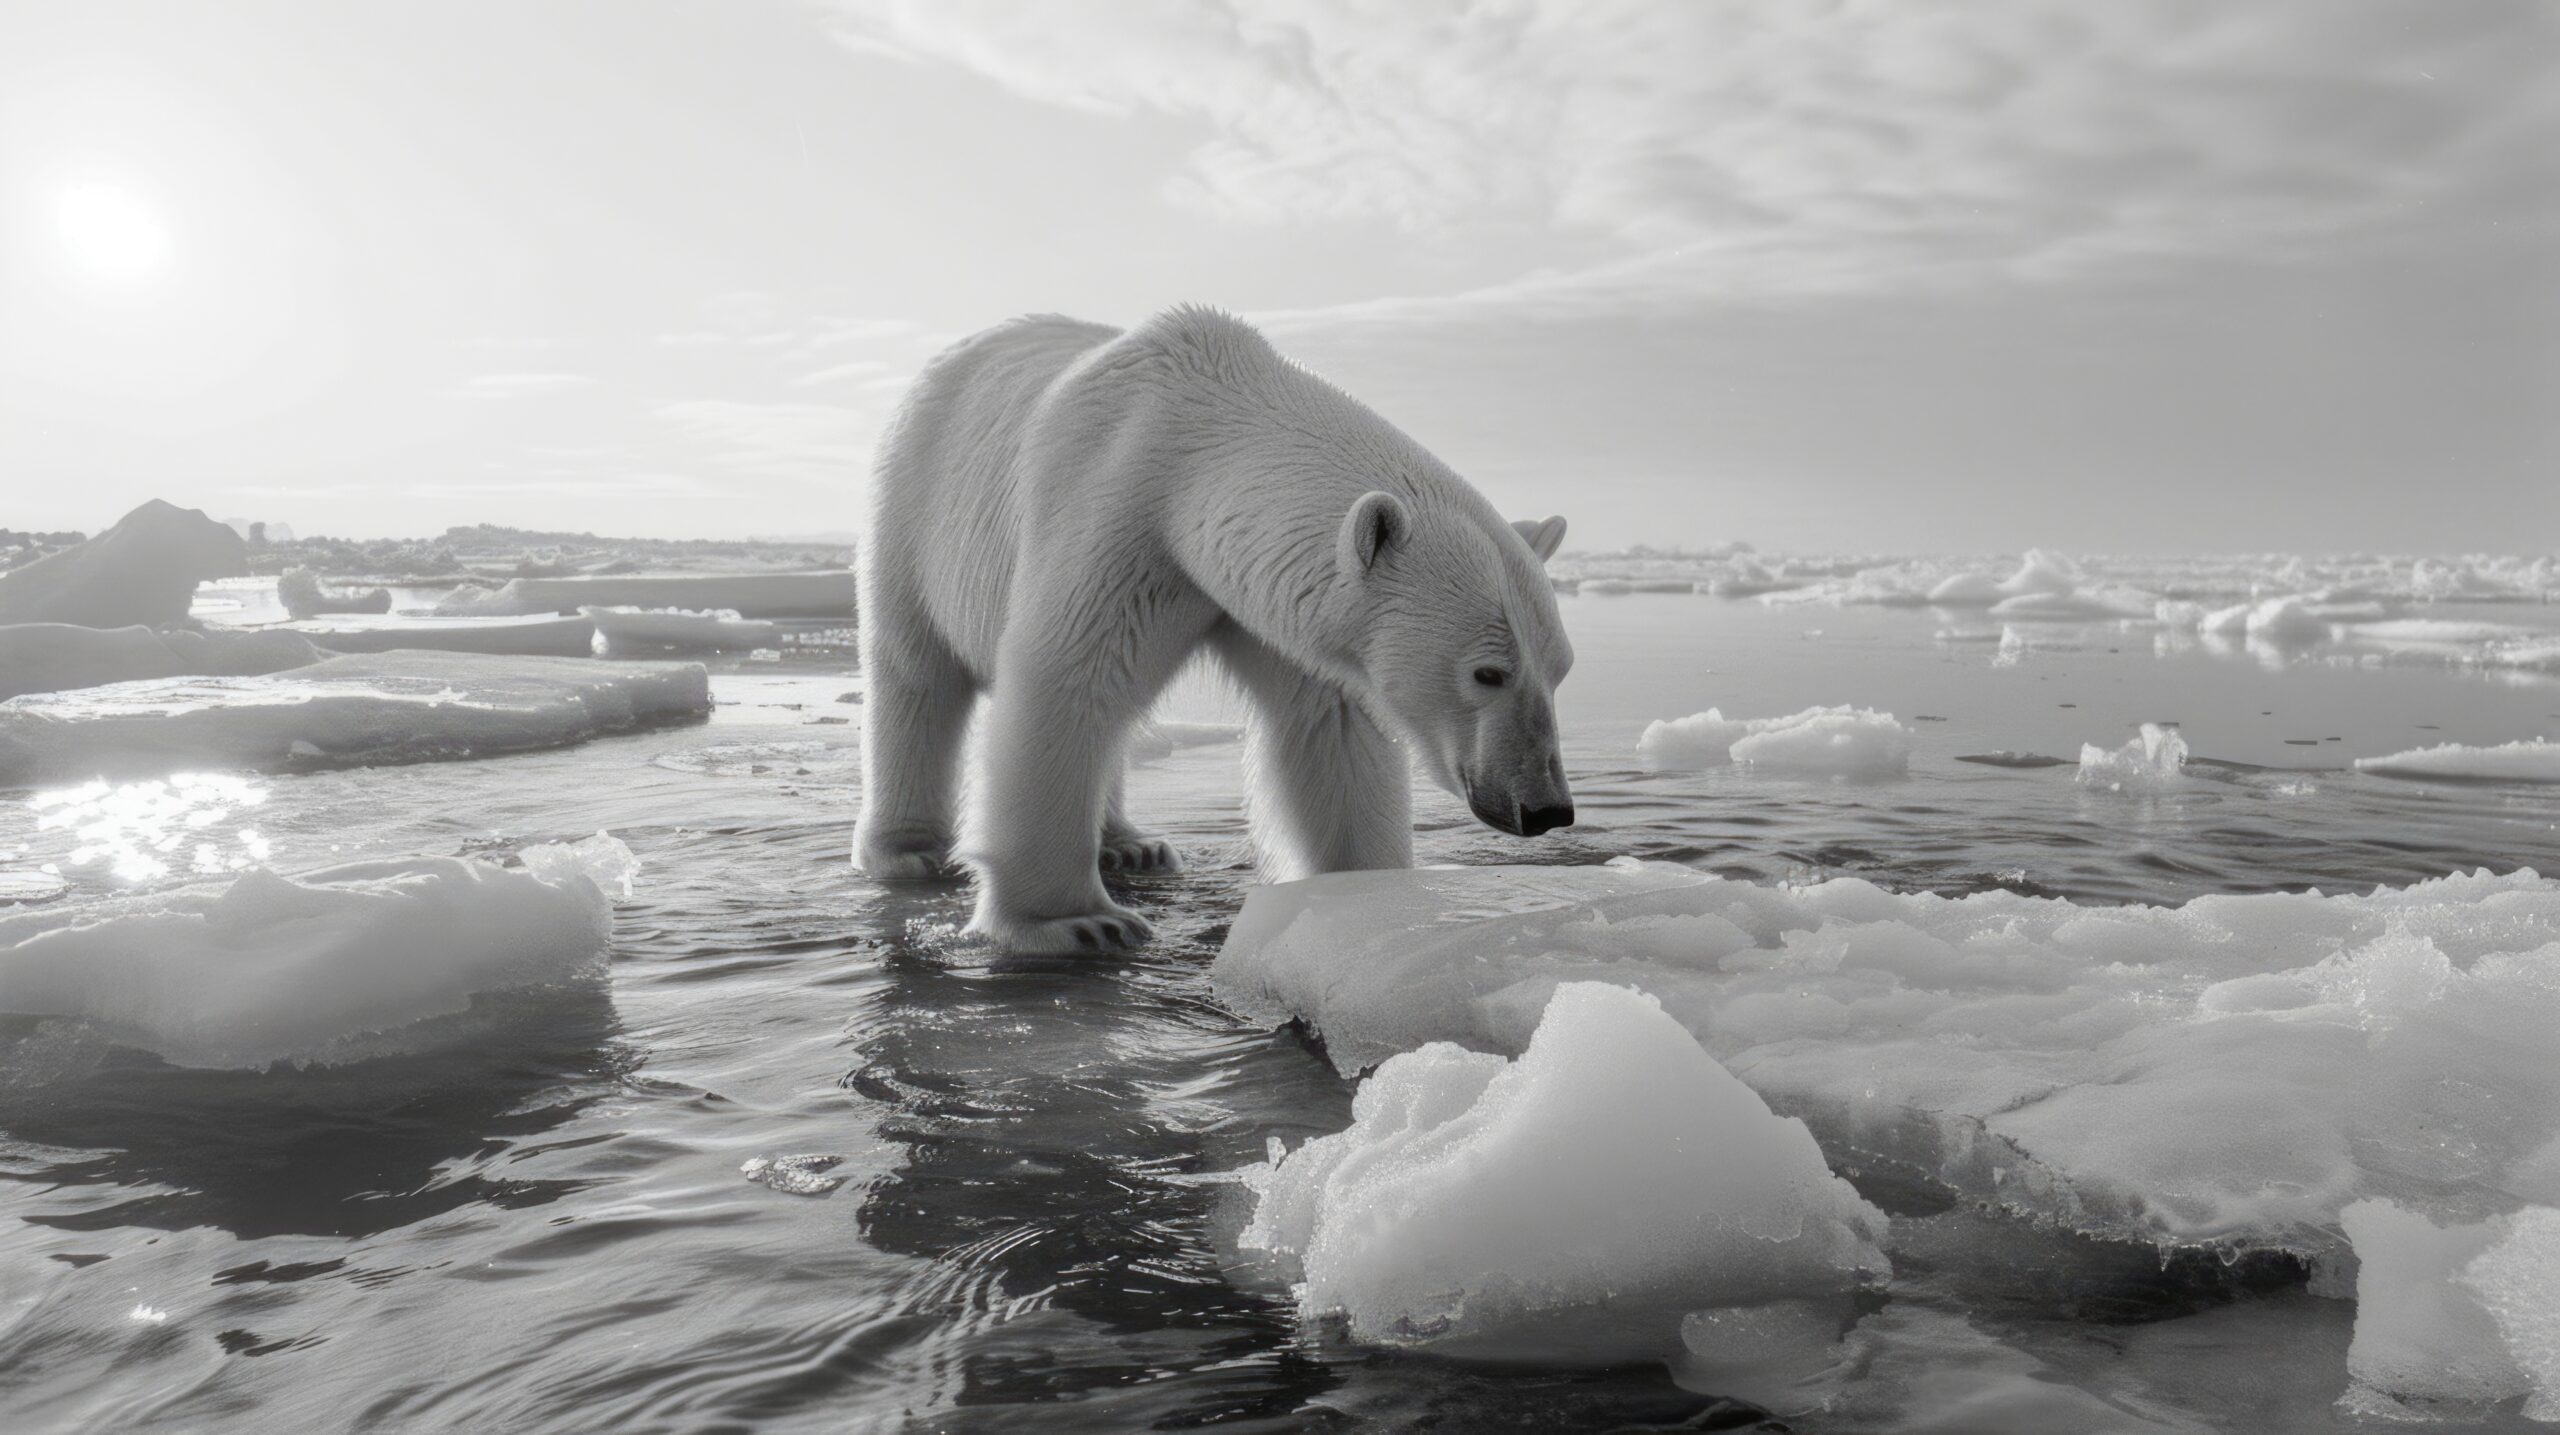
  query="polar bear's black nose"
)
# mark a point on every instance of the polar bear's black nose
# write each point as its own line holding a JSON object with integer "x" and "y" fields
{"x": 1534, "y": 820}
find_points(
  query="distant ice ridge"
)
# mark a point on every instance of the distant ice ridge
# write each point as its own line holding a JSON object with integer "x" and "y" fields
{"x": 1825, "y": 742}
{"x": 1579, "y": 1201}
{"x": 267, "y": 968}
{"x": 2531, "y": 761}
{"x": 2152, "y": 760}
{"x": 2231, "y": 1072}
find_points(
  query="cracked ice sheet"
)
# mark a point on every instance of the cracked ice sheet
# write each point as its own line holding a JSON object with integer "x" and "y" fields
{"x": 2235, "y": 1070}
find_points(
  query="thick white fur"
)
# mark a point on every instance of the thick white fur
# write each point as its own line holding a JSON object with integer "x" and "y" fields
{"x": 1066, "y": 512}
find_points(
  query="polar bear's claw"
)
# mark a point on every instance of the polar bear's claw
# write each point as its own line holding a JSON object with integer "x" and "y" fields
{"x": 1137, "y": 853}
{"x": 1068, "y": 936}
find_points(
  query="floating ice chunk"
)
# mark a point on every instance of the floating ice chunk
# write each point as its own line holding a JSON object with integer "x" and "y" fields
{"x": 2451, "y": 1319}
{"x": 2233, "y": 1070}
{"x": 1833, "y": 741}
{"x": 1609, "y": 1181}
{"x": 2153, "y": 760}
{"x": 1968, "y": 590}
{"x": 2285, "y": 621}
{"x": 802, "y": 1175}
{"x": 526, "y": 637}
{"x": 708, "y": 631}
{"x": 2531, "y": 761}
{"x": 63, "y": 657}
{"x": 2043, "y": 571}
{"x": 387, "y": 707}
{"x": 753, "y": 595}
{"x": 268, "y": 968}
{"x": 602, "y": 859}
{"x": 2178, "y": 613}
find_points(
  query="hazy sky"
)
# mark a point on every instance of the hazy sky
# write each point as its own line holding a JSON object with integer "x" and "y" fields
{"x": 1888, "y": 275}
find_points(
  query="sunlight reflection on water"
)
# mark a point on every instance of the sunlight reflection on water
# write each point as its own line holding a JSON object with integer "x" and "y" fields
{"x": 145, "y": 830}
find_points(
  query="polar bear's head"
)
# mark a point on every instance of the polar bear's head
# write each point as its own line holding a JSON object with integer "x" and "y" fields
{"x": 1461, "y": 649}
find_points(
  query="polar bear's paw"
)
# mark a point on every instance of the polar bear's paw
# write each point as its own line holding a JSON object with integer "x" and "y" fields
{"x": 1115, "y": 930}
{"x": 1138, "y": 853}
{"x": 886, "y": 862}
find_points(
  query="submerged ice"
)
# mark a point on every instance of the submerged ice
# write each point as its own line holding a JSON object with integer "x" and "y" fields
{"x": 1584, "y": 1198}
{"x": 268, "y": 968}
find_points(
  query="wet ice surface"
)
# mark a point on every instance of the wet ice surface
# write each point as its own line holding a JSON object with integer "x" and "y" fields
{"x": 1029, "y": 1212}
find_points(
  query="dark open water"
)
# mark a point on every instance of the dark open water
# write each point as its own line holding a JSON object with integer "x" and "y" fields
{"x": 542, "y": 1225}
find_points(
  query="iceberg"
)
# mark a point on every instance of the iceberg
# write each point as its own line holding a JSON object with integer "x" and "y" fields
{"x": 1579, "y": 1202}
{"x": 300, "y": 592}
{"x": 753, "y": 595}
{"x": 1821, "y": 742}
{"x": 2152, "y": 760}
{"x": 2228, "y": 1073}
{"x": 388, "y": 707}
{"x": 2536, "y": 760}
{"x": 60, "y": 657}
{"x": 268, "y": 968}
{"x": 143, "y": 570}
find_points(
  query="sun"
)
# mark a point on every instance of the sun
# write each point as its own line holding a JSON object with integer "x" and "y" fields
{"x": 110, "y": 232}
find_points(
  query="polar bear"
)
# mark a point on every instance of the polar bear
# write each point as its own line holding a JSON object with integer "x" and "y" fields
{"x": 1065, "y": 512}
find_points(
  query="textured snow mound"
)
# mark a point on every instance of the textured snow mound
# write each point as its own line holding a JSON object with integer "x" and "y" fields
{"x": 267, "y": 968}
{"x": 1599, "y": 1188}
{"x": 2232, "y": 1071}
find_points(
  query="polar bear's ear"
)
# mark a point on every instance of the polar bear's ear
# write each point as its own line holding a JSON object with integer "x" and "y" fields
{"x": 1544, "y": 536}
{"x": 1376, "y": 523}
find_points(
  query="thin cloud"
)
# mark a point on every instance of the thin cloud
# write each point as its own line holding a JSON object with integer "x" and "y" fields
{"x": 516, "y": 386}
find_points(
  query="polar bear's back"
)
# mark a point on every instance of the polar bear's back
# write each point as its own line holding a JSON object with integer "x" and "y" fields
{"x": 947, "y": 507}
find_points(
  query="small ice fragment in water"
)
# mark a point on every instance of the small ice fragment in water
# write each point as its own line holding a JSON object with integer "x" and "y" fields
{"x": 793, "y": 1175}
{"x": 31, "y": 887}
{"x": 601, "y": 859}
{"x": 2152, "y": 760}
{"x": 149, "y": 1314}
{"x": 1833, "y": 741}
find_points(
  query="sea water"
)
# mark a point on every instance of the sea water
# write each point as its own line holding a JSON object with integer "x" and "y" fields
{"x": 996, "y": 1194}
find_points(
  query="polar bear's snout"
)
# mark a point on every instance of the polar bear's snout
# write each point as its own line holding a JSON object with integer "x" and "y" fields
{"x": 1528, "y": 808}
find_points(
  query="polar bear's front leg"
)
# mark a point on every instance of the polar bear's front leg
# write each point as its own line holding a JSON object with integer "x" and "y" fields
{"x": 1328, "y": 790}
{"x": 1068, "y": 686}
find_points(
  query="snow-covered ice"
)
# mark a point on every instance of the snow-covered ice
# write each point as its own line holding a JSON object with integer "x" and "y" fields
{"x": 754, "y": 595}
{"x": 387, "y": 707}
{"x": 268, "y": 968}
{"x": 1578, "y": 1201}
{"x": 1820, "y": 741}
{"x": 2232, "y": 1071}
{"x": 63, "y": 657}
{"x": 2153, "y": 759}
{"x": 2533, "y": 760}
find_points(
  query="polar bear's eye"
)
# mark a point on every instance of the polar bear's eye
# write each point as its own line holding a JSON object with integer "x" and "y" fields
{"x": 1492, "y": 677}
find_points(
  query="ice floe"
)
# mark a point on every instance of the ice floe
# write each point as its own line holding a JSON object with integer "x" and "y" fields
{"x": 524, "y": 637}
{"x": 706, "y": 630}
{"x": 268, "y": 968}
{"x": 61, "y": 657}
{"x": 1819, "y": 741}
{"x": 2153, "y": 759}
{"x": 2231, "y": 1072}
{"x": 387, "y": 707}
{"x": 2535, "y": 760}
{"x": 1579, "y": 1202}
{"x": 754, "y": 595}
